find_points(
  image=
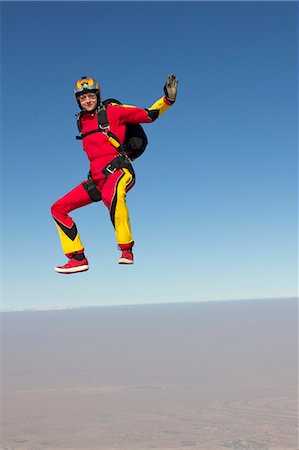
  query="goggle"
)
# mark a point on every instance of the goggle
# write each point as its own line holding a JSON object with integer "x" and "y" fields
{"x": 85, "y": 97}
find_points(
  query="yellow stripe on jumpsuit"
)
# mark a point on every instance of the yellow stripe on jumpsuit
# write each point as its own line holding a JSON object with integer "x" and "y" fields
{"x": 114, "y": 197}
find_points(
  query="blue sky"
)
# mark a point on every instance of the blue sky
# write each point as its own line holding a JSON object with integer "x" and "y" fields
{"x": 214, "y": 209}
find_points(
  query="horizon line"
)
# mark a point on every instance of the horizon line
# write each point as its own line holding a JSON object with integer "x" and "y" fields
{"x": 68, "y": 307}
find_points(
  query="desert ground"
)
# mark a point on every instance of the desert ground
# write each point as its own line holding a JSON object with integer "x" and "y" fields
{"x": 210, "y": 375}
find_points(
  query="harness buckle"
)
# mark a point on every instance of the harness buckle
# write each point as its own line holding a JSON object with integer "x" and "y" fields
{"x": 105, "y": 128}
{"x": 110, "y": 168}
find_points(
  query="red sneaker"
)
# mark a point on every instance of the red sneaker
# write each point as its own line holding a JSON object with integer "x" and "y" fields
{"x": 73, "y": 266}
{"x": 126, "y": 257}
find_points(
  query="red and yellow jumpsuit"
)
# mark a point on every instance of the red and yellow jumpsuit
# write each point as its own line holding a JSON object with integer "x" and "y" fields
{"x": 113, "y": 188}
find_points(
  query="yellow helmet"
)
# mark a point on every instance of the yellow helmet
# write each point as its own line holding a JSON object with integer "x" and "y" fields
{"x": 85, "y": 85}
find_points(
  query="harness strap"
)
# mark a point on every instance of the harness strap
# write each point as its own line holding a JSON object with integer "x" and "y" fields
{"x": 120, "y": 162}
{"x": 103, "y": 127}
{"x": 91, "y": 189}
{"x": 117, "y": 163}
{"x": 82, "y": 135}
{"x": 102, "y": 118}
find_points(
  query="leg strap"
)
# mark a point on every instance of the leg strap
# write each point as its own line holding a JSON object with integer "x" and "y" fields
{"x": 120, "y": 162}
{"x": 91, "y": 189}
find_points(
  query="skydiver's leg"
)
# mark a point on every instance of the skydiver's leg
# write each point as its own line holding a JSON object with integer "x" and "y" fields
{"x": 114, "y": 197}
{"x": 68, "y": 233}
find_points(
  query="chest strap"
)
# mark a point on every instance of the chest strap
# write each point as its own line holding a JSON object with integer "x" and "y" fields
{"x": 103, "y": 127}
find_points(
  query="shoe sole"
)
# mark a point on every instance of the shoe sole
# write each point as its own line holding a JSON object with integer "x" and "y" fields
{"x": 73, "y": 270}
{"x": 125, "y": 261}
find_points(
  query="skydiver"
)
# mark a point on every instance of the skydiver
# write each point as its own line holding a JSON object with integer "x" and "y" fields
{"x": 111, "y": 173}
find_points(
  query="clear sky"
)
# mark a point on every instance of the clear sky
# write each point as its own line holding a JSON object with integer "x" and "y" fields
{"x": 214, "y": 208}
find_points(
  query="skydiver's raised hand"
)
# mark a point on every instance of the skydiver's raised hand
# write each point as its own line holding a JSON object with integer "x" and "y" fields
{"x": 170, "y": 88}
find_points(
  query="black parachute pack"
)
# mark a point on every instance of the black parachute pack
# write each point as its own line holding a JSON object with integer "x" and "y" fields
{"x": 135, "y": 139}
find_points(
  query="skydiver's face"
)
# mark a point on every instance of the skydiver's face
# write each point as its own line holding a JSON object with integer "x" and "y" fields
{"x": 88, "y": 102}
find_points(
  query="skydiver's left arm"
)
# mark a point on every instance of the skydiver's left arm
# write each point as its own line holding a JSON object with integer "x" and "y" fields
{"x": 147, "y": 115}
{"x": 160, "y": 106}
